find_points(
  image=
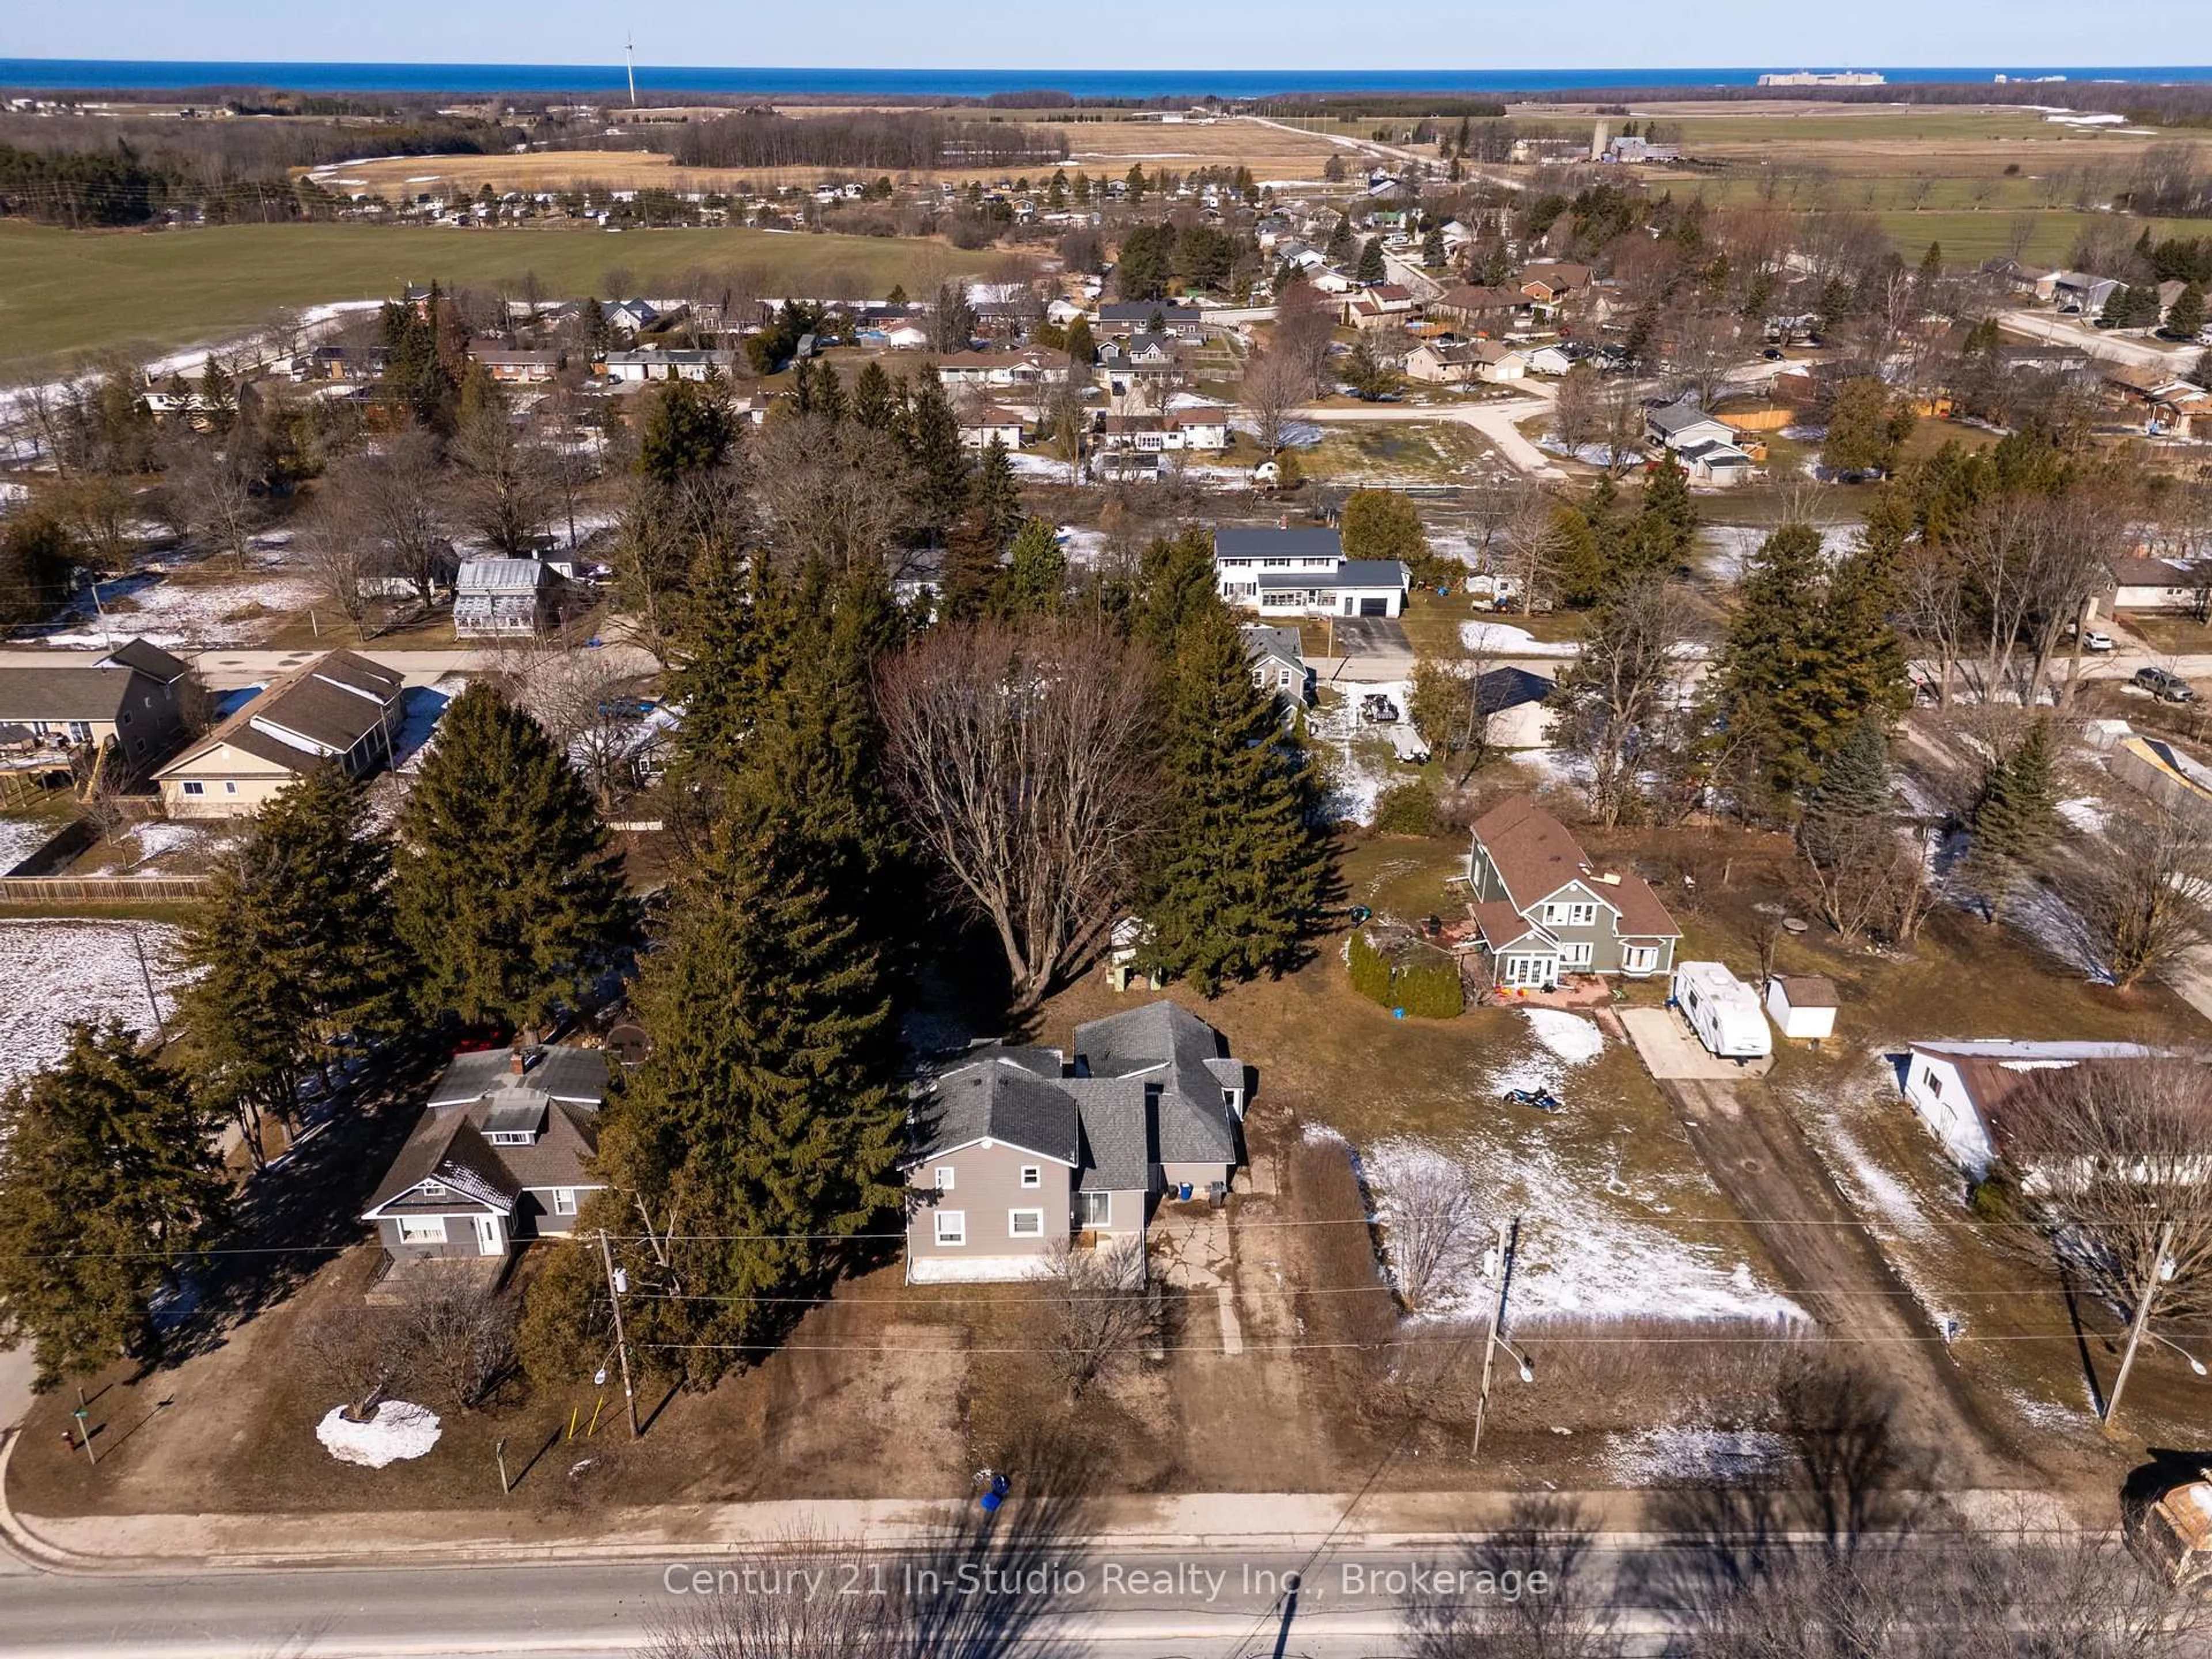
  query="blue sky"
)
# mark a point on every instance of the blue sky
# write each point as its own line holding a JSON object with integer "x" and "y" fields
{"x": 1258, "y": 34}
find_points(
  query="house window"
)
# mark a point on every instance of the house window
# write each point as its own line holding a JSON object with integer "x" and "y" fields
{"x": 944, "y": 1177}
{"x": 124, "y": 717}
{"x": 511, "y": 1138}
{"x": 195, "y": 788}
{"x": 1575, "y": 953}
{"x": 1572, "y": 915}
{"x": 1094, "y": 1209}
{"x": 421, "y": 1229}
{"x": 1934, "y": 1083}
{"x": 230, "y": 789}
{"x": 951, "y": 1228}
{"x": 432, "y": 1189}
{"x": 1032, "y": 1175}
{"x": 1638, "y": 958}
{"x": 1025, "y": 1223}
{"x": 564, "y": 1200}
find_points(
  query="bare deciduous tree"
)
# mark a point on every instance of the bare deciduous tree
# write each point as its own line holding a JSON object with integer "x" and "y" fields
{"x": 504, "y": 487}
{"x": 1100, "y": 1311}
{"x": 360, "y": 1354}
{"x": 1274, "y": 384}
{"x": 2113, "y": 1153}
{"x": 335, "y": 547}
{"x": 1577, "y": 418}
{"x": 826, "y": 493}
{"x": 1616, "y": 699}
{"x": 1429, "y": 1221}
{"x": 209, "y": 490}
{"x": 2144, "y": 891}
{"x": 458, "y": 1328}
{"x": 397, "y": 492}
{"x": 1018, "y": 755}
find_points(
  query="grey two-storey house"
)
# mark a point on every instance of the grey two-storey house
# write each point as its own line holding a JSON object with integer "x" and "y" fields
{"x": 1019, "y": 1151}
{"x": 1545, "y": 911}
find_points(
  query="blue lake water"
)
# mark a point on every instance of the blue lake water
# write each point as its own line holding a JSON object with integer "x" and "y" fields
{"x": 117, "y": 75}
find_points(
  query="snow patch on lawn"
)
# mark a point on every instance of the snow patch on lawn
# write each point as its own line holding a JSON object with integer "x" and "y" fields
{"x": 1360, "y": 764}
{"x": 1579, "y": 1254}
{"x": 1727, "y": 548}
{"x": 1503, "y": 640}
{"x": 174, "y": 616}
{"x": 2086, "y": 813}
{"x": 20, "y": 837}
{"x": 1651, "y": 1457}
{"x": 1572, "y": 1038}
{"x": 395, "y": 1431}
{"x": 54, "y": 972}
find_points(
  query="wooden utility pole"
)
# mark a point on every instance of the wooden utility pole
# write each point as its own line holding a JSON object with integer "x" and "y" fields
{"x": 2142, "y": 1320}
{"x": 1490, "y": 1343}
{"x": 621, "y": 1345}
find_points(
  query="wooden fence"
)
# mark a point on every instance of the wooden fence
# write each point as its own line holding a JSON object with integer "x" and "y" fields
{"x": 100, "y": 890}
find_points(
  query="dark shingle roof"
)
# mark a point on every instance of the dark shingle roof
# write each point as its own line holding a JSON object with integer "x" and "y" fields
{"x": 997, "y": 1099}
{"x": 1194, "y": 1124}
{"x": 1266, "y": 542}
{"x": 149, "y": 659}
{"x": 556, "y": 1100}
{"x": 561, "y": 1072}
{"x": 334, "y": 702}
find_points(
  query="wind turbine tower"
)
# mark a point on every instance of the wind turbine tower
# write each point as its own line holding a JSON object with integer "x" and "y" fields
{"x": 629, "y": 63}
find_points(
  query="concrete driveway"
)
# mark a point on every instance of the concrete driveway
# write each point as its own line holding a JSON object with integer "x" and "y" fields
{"x": 1670, "y": 1051}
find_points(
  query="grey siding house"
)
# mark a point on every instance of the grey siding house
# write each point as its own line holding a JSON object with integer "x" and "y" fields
{"x": 498, "y": 1157}
{"x": 132, "y": 697}
{"x": 1019, "y": 1151}
{"x": 1545, "y": 911}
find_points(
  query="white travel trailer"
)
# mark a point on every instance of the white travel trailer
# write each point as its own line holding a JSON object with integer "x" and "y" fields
{"x": 1722, "y": 1010}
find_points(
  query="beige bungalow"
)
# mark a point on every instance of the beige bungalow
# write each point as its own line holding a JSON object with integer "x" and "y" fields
{"x": 340, "y": 709}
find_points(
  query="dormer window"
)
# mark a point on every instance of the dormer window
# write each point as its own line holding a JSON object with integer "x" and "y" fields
{"x": 511, "y": 1138}
{"x": 432, "y": 1189}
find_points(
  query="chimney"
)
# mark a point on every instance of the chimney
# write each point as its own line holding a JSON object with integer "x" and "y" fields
{"x": 517, "y": 1063}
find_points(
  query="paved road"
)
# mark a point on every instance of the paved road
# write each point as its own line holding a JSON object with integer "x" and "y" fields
{"x": 1208, "y": 1601}
{"x": 229, "y": 669}
{"x": 2134, "y": 351}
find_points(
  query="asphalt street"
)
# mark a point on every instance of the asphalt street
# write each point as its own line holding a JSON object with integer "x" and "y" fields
{"x": 1208, "y": 1601}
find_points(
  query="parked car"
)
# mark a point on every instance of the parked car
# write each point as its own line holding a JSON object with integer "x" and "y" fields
{"x": 2093, "y": 640}
{"x": 2164, "y": 685}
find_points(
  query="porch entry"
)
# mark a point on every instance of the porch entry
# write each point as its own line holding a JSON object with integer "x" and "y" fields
{"x": 489, "y": 1241}
{"x": 1531, "y": 971}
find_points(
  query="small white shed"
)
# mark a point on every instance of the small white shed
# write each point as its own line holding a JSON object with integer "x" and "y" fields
{"x": 1802, "y": 1005}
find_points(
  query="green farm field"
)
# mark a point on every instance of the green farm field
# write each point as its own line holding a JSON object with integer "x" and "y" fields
{"x": 63, "y": 294}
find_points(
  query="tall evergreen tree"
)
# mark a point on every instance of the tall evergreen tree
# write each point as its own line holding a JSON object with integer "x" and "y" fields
{"x": 743, "y": 626}
{"x": 2015, "y": 820}
{"x": 1370, "y": 268}
{"x": 1240, "y": 873}
{"x": 107, "y": 1174}
{"x": 875, "y": 402}
{"x": 995, "y": 496}
{"x": 1175, "y": 584}
{"x": 1036, "y": 574}
{"x": 689, "y": 429}
{"x": 297, "y": 947}
{"x": 765, "y": 1124}
{"x": 941, "y": 465}
{"x": 1665, "y": 529}
{"x": 507, "y": 893}
{"x": 1854, "y": 790}
{"x": 830, "y": 400}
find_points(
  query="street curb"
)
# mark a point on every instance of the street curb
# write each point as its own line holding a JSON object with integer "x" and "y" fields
{"x": 45, "y": 1556}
